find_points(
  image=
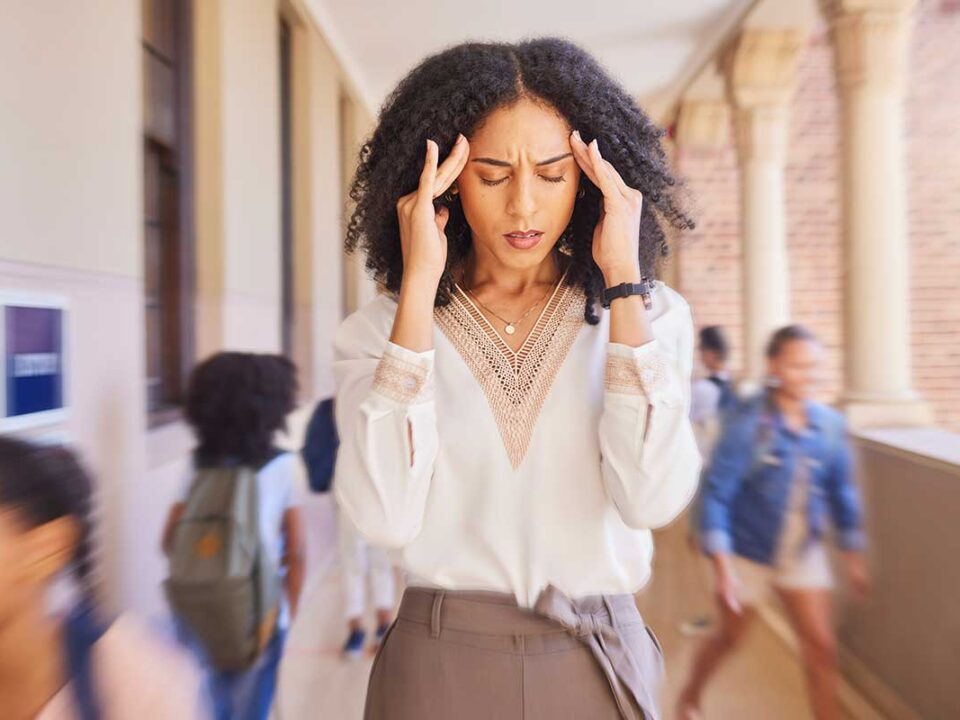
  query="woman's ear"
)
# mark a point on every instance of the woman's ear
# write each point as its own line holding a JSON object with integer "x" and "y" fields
{"x": 49, "y": 548}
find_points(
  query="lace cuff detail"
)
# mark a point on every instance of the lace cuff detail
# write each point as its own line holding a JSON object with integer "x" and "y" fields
{"x": 400, "y": 379}
{"x": 639, "y": 371}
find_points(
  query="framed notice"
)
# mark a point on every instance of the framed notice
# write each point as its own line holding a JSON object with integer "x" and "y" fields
{"x": 32, "y": 331}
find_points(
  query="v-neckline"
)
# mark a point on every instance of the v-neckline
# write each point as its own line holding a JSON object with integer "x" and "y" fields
{"x": 515, "y": 383}
{"x": 514, "y": 357}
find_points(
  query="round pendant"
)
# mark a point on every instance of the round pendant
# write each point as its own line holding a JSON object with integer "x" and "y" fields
{"x": 510, "y": 329}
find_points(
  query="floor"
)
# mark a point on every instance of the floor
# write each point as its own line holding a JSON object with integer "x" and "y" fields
{"x": 763, "y": 681}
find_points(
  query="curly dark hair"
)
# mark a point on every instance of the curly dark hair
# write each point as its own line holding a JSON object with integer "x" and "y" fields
{"x": 453, "y": 92}
{"x": 42, "y": 483}
{"x": 236, "y": 402}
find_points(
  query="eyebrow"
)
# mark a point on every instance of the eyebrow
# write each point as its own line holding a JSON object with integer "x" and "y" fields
{"x": 504, "y": 163}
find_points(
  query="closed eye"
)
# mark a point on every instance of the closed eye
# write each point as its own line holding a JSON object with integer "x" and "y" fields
{"x": 492, "y": 183}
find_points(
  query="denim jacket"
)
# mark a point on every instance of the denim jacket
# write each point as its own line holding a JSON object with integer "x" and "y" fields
{"x": 747, "y": 486}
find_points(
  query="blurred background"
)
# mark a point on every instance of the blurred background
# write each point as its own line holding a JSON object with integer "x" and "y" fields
{"x": 172, "y": 183}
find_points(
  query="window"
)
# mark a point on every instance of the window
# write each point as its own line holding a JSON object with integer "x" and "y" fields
{"x": 167, "y": 206}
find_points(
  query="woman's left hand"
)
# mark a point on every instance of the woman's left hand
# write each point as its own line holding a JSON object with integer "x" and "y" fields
{"x": 617, "y": 234}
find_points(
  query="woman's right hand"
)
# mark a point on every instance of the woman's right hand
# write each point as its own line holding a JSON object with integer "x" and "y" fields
{"x": 422, "y": 237}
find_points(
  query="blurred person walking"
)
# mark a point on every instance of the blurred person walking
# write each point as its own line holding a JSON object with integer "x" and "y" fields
{"x": 780, "y": 470}
{"x": 712, "y": 397}
{"x": 70, "y": 662}
{"x": 360, "y": 562}
{"x": 236, "y": 539}
{"x": 713, "y": 394}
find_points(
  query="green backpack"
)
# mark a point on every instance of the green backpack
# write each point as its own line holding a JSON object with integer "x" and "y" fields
{"x": 222, "y": 584}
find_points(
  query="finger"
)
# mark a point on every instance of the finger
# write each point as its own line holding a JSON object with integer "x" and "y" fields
{"x": 606, "y": 183}
{"x": 582, "y": 156}
{"x": 429, "y": 174}
{"x": 443, "y": 214}
{"x": 452, "y": 166}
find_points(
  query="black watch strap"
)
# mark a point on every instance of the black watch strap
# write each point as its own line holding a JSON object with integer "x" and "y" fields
{"x": 642, "y": 288}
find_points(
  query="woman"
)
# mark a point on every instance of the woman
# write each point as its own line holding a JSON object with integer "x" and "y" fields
{"x": 70, "y": 665}
{"x": 780, "y": 469}
{"x": 236, "y": 405}
{"x": 478, "y": 435}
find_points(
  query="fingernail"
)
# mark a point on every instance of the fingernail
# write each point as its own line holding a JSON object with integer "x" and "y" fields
{"x": 460, "y": 138}
{"x": 576, "y": 134}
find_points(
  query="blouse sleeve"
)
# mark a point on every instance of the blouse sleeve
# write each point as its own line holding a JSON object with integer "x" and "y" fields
{"x": 388, "y": 432}
{"x": 649, "y": 456}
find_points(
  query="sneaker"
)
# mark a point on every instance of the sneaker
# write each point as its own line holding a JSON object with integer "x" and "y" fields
{"x": 353, "y": 648}
{"x": 696, "y": 626}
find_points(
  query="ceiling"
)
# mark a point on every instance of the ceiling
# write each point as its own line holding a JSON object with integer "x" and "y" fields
{"x": 651, "y": 46}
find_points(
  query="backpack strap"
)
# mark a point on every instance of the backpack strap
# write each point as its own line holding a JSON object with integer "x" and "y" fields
{"x": 81, "y": 633}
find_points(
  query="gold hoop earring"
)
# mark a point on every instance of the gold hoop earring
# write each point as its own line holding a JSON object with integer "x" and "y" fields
{"x": 581, "y": 192}
{"x": 450, "y": 195}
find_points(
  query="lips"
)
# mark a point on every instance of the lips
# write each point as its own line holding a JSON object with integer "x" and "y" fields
{"x": 524, "y": 239}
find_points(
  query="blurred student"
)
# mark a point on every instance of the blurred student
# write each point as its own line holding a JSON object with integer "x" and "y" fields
{"x": 712, "y": 397}
{"x": 713, "y": 394}
{"x": 780, "y": 471}
{"x": 360, "y": 561}
{"x": 235, "y": 592}
{"x": 70, "y": 664}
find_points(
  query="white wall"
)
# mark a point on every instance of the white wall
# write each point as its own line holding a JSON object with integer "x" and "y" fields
{"x": 251, "y": 177}
{"x": 70, "y": 200}
{"x": 70, "y": 148}
{"x": 327, "y": 210}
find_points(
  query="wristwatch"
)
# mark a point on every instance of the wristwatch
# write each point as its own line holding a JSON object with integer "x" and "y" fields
{"x": 642, "y": 288}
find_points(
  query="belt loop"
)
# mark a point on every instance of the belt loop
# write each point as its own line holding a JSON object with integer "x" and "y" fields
{"x": 614, "y": 620}
{"x": 435, "y": 615}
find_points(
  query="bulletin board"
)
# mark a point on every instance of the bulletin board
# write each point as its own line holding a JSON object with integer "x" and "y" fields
{"x": 33, "y": 351}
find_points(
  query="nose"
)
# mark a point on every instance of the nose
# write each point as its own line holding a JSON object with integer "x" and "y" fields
{"x": 521, "y": 202}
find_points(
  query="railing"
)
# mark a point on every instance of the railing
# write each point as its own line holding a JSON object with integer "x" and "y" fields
{"x": 901, "y": 647}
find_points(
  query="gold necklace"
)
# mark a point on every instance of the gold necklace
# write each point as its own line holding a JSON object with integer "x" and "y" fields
{"x": 510, "y": 327}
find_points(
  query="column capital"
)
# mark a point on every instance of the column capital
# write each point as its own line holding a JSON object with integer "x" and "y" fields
{"x": 870, "y": 37}
{"x": 835, "y": 8}
{"x": 762, "y": 132}
{"x": 703, "y": 124}
{"x": 763, "y": 66}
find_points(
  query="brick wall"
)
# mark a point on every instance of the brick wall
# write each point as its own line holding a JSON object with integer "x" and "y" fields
{"x": 708, "y": 259}
{"x": 933, "y": 162}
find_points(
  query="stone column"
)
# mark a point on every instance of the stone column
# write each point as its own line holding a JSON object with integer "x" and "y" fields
{"x": 870, "y": 39}
{"x": 761, "y": 84}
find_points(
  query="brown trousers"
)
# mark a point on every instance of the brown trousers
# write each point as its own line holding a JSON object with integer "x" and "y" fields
{"x": 472, "y": 655}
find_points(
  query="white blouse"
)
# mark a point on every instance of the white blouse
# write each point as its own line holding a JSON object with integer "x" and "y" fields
{"x": 490, "y": 469}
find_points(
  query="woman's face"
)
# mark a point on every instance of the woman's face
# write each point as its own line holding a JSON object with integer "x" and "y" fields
{"x": 519, "y": 185}
{"x": 797, "y": 368}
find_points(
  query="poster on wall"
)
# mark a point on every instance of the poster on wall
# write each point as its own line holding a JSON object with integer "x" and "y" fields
{"x": 32, "y": 347}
